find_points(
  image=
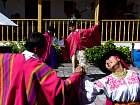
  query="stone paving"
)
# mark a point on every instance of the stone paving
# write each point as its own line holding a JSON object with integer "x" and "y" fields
{"x": 65, "y": 70}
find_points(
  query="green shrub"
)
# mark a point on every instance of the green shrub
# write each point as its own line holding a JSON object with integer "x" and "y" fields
{"x": 58, "y": 52}
{"x": 17, "y": 47}
{"x": 93, "y": 55}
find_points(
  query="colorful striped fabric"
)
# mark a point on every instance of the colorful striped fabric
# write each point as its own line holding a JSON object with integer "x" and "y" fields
{"x": 129, "y": 103}
{"x": 9, "y": 70}
{"x": 32, "y": 82}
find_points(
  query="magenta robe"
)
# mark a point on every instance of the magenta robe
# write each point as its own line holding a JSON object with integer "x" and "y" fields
{"x": 83, "y": 38}
{"x": 91, "y": 37}
{"x": 32, "y": 82}
{"x": 73, "y": 42}
{"x": 49, "y": 55}
{"x": 47, "y": 49}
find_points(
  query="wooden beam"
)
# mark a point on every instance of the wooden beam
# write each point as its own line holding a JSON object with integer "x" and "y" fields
{"x": 97, "y": 11}
{"x": 39, "y": 15}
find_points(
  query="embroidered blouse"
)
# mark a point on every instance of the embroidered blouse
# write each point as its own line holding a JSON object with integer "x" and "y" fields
{"x": 126, "y": 89}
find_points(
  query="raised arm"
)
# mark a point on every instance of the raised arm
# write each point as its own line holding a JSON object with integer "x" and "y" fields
{"x": 43, "y": 83}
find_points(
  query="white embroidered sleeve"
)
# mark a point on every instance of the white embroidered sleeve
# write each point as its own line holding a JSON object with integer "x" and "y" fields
{"x": 89, "y": 90}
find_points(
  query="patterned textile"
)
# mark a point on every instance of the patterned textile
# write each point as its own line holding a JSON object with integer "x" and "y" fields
{"x": 10, "y": 69}
{"x": 32, "y": 82}
{"x": 130, "y": 103}
{"x": 126, "y": 89}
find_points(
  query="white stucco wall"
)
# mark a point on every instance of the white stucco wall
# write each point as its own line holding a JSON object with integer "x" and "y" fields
{"x": 57, "y": 7}
{"x": 12, "y": 7}
{"x": 84, "y": 7}
{"x": 137, "y": 6}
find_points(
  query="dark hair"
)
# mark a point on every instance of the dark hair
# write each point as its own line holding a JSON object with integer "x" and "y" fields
{"x": 108, "y": 54}
{"x": 72, "y": 23}
{"x": 51, "y": 29}
{"x": 35, "y": 40}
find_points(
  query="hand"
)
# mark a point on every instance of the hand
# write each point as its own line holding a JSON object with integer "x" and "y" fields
{"x": 80, "y": 69}
{"x": 97, "y": 23}
{"x": 82, "y": 38}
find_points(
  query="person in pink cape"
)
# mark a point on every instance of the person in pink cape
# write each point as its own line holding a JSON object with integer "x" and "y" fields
{"x": 78, "y": 40}
{"x": 26, "y": 80}
{"x": 49, "y": 55}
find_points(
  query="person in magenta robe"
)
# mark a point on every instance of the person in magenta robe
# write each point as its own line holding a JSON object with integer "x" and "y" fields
{"x": 49, "y": 55}
{"x": 78, "y": 40}
{"x": 27, "y": 80}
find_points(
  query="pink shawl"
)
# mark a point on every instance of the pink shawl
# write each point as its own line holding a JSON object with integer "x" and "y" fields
{"x": 10, "y": 78}
{"x": 73, "y": 42}
{"x": 84, "y": 38}
{"x": 32, "y": 82}
{"x": 47, "y": 48}
{"x": 90, "y": 37}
